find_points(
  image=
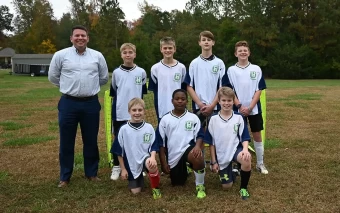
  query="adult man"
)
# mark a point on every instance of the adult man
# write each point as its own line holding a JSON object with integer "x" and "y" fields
{"x": 79, "y": 72}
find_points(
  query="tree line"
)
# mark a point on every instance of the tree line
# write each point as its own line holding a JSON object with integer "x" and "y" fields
{"x": 291, "y": 39}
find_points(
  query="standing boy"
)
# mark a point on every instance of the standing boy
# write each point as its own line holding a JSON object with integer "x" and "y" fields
{"x": 247, "y": 81}
{"x": 166, "y": 76}
{"x": 128, "y": 82}
{"x": 136, "y": 149}
{"x": 180, "y": 137}
{"x": 228, "y": 137}
{"x": 205, "y": 77}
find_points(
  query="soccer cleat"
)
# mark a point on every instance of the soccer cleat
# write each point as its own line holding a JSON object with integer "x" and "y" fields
{"x": 156, "y": 193}
{"x": 262, "y": 169}
{"x": 244, "y": 194}
{"x": 200, "y": 189}
{"x": 115, "y": 173}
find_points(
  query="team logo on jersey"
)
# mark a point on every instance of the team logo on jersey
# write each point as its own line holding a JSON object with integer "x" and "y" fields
{"x": 253, "y": 75}
{"x": 236, "y": 126}
{"x": 138, "y": 80}
{"x": 215, "y": 69}
{"x": 177, "y": 77}
{"x": 147, "y": 138}
{"x": 189, "y": 125}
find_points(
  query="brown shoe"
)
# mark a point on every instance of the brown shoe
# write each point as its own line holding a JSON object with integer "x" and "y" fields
{"x": 62, "y": 184}
{"x": 94, "y": 179}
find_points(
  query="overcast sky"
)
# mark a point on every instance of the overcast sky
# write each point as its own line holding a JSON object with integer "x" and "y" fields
{"x": 129, "y": 7}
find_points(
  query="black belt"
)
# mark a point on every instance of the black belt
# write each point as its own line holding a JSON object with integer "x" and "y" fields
{"x": 80, "y": 98}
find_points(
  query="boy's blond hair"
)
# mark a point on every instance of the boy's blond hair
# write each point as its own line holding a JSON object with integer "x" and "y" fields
{"x": 128, "y": 46}
{"x": 225, "y": 91}
{"x": 207, "y": 34}
{"x": 136, "y": 101}
{"x": 167, "y": 40}
{"x": 241, "y": 44}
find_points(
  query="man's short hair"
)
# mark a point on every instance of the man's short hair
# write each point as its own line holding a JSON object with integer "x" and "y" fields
{"x": 241, "y": 44}
{"x": 168, "y": 41}
{"x": 128, "y": 46}
{"x": 136, "y": 101}
{"x": 207, "y": 34}
{"x": 225, "y": 91}
{"x": 79, "y": 27}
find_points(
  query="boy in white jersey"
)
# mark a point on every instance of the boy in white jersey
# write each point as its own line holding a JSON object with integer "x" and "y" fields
{"x": 247, "y": 81}
{"x": 205, "y": 77}
{"x": 166, "y": 76}
{"x": 228, "y": 137}
{"x": 136, "y": 149}
{"x": 180, "y": 135}
{"x": 128, "y": 82}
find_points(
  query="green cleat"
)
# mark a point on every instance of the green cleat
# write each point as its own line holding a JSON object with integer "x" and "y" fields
{"x": 156, "y": 193}
{"x": 200, "y": 189}
{"x": 244, "y": 194}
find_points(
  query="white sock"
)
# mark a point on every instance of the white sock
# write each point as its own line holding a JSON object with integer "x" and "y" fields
{"x": 259, "y": 152}
{"x": 199, "y": 177}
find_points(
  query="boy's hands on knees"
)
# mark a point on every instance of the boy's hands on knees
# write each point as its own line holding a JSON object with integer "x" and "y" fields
{"x": 245, "y": 155}
{"x": 165, "y": 168}
{"x": 197, "y": 151}
{"x": 124, "y": 174}
{"x": 152, "y": 163}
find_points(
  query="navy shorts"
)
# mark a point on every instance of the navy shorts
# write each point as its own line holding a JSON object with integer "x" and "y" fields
{"x": 139, "y": 181}
{"x": 255, "y": 122}
{"x": 179, "y": 173}
{"x": 226, "y": 174}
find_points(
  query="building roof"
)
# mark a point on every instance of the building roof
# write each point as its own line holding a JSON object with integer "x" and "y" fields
{"x": 32, "y": 56}
{"x": 7, "y": 52}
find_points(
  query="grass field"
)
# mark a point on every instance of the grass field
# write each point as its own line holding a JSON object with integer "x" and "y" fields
{"x": 301, "y": 154}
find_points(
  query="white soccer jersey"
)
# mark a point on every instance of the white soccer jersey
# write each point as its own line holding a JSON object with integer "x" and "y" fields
{"x": 177, "y": 134}
{"x": 226, "y": 136}
{"x": 127, "y": 84}
{"x": 205, "y": 76}
{"x": 163, "y": 82}
{"x": 134, "y": 145}
{"x": 245, "y": 82}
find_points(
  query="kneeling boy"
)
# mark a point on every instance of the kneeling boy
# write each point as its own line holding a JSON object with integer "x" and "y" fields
{"x": 135, "y": 141}
{"x": 228, "y": 137}
{"x": 180, "y": 137}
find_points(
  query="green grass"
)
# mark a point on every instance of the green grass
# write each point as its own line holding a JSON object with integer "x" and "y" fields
{"x": 23, "y": 141}
{"x": 289, "y": 84}
{"x": 3, "y": 175}
{"x": 273, "y": 143}
{"x": 303, "y": 172}
{"x": 79, "y": 161}
{"x": 53, "y": 126}
{"x": 6, "y": 134}
{"x": 296, "y": 104}
{"x": 11, "y": 125}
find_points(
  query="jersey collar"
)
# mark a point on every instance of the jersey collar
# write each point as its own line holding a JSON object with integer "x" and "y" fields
{"x": 126, "y": 70}
{"x": 232, "y": 114}
{"x": 185, "y": 112}
{"x": 243, "y": 67}
{"x": 168, "y": 65}
{"x": 136, "y": 128}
